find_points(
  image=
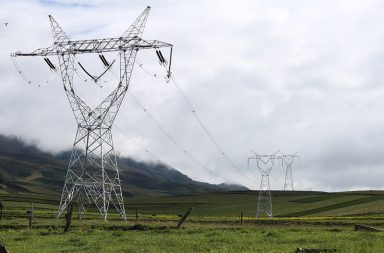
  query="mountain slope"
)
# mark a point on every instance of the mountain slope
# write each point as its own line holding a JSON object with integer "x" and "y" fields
{"x": 25, "y": 168}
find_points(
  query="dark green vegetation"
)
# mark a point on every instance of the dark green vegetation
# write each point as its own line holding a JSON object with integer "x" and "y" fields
{"x": 326, "y": 221}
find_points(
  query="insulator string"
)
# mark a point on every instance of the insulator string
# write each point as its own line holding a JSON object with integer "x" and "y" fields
{"x": 101, "y": 79}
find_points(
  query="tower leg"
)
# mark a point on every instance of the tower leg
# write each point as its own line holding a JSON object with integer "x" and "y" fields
{"x": 264, "y": 203}
{"x": 288, "y": 183}
{"x": 93, "y": 174}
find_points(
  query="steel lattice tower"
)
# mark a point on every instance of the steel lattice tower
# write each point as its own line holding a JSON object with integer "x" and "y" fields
{"x": 264, "y": 164}
{"x": 93, "y": 174}
{"x": 289, "y": 160}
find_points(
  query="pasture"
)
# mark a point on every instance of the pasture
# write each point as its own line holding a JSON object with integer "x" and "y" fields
{"x": 301, "y": 219}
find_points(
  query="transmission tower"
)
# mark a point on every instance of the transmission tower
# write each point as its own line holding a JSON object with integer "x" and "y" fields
{"x": 289, "y": 160}
{"x": 265, "y": 164}
{"x": 93, "y": 174}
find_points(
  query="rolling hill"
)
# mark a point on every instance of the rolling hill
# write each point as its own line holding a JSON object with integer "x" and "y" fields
{"x": 25, "y": 168}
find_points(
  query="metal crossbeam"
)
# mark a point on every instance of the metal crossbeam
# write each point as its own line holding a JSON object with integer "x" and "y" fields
{"x": 93, "y": 174}
{"x": 96, "y": 46}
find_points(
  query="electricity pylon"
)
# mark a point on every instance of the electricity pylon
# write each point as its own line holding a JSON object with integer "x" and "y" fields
{"x": 93, "y": 174}
{"x": 265, "y": 164}
{"x": 289, "y": 160}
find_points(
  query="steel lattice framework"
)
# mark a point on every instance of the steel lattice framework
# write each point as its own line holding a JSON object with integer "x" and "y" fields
{"x": 289, "y": 160}
{"x": 93, "y": 174}
{"x": 265, "y": 165}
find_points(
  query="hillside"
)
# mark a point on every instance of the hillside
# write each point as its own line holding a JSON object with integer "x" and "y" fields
{"x": 25, "y": 168}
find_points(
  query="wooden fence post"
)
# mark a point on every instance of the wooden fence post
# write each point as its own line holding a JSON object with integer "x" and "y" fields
{"x": 184, "y": 218}
{"x": 30, "y": 217}
{"x": 2, "y": 246}
{"x": 1, "y": 209}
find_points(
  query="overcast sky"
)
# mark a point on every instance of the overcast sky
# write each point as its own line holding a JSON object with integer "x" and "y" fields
{"x": 299, "y": 76}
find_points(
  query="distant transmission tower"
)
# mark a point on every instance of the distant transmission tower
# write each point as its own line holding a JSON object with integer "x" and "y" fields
{"x": 265, "y": 164}
{"x": 93, "y": 174}
{"x": 289, "y": 160}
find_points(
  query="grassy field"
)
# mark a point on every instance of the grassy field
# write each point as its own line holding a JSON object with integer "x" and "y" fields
{"x": 301, "y": 219}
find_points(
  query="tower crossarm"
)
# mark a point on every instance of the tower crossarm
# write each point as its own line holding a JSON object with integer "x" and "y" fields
{"x": 95, "y": 46}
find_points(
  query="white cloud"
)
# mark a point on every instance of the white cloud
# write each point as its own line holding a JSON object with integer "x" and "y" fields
{"x": 299, "y": 76}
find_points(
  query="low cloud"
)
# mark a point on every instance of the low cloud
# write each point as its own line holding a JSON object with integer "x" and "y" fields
{"x": 297, "y": 76}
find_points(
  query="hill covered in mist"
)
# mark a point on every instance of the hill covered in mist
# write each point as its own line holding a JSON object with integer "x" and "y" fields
{"x": 25, "y": 168}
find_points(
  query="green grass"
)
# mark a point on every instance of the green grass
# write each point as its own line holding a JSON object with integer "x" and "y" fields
{"x": 228, "y": 204}
{"x": 323, "y": 220}
{"x": 315, "y": 198}
{"x": 337, "y": 206}
{"x": 199, "y": 237}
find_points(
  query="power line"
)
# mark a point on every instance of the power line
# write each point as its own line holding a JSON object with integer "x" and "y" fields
{"x": 203, "y": 126}
{"x": 165, "y": 132}
{"x": 144, "y": 148}
{"x": 28, "y": 80}
{"x": 170, "y": 137}
{"x": 196, "y": 115}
